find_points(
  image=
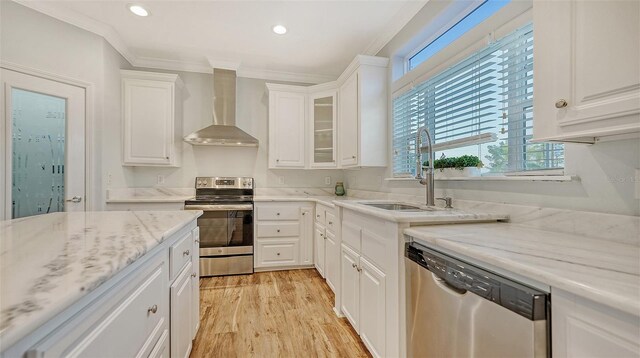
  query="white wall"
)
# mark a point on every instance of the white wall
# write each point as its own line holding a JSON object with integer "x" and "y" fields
{"x": 606, "y": 170}
{"x": 31, "y": 39}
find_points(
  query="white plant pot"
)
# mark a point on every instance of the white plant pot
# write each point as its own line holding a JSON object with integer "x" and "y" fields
{"x": 457, "y": 173}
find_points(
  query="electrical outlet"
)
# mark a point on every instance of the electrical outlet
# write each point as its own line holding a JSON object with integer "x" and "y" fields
{"x": 109, "y": 179}
{"x": 160, "y": 179}
{"x": 280, "y": 180}
{"x": 327, "y": 180}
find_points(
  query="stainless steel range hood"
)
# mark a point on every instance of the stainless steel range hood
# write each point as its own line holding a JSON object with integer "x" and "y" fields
{"x": 224, "y": 130}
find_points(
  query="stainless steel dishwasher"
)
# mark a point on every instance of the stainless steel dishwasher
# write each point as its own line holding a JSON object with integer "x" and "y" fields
{"x": 455, "y": 309}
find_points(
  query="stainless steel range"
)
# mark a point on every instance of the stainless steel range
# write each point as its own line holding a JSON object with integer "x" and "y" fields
{"x": 226, "y": 227}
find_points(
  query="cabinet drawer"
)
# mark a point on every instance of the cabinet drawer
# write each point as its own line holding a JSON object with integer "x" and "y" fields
{"x": 331, "y": 221}
{"x": 128, "y": 320}
{"x": 278, "y": 229}
{"x": 278, "y": 252}
{"x": 161, "y": 350}
{"x": 277, "y": 212}
{"x": 180, "y": 254}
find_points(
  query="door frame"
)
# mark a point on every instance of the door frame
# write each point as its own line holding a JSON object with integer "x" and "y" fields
{"x": 89, "y": 125}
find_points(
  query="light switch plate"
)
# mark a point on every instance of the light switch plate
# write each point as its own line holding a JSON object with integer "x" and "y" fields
{"x": 160, "y": 179}
{"x": 280, "y": 180}
{"x": 327, "y": 180}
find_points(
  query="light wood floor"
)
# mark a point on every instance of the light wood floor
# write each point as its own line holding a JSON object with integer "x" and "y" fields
{"x": 272, "y": 314}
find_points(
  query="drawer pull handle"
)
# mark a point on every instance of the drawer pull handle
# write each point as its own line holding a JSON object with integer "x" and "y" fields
{"x": 193, "y": 274}
{"x": 186, "y": 253}
{"x": 152, "y": 309}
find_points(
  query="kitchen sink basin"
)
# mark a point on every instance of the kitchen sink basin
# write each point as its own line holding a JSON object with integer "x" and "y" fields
{"x": 398, "y": 207}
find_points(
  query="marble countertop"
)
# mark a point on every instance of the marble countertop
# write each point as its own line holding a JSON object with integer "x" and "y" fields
{"x": 48, "y": 262}
{"x": 437, "y": 216}
{"x": 321, "y": 199}
{"x": 601, "y": 270}
{"x": 149, "y": 195}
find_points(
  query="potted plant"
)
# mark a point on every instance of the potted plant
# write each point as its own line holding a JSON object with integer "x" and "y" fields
{"x": 453, "y": 167}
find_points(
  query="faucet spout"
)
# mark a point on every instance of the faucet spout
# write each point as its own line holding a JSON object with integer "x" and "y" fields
{"x": 427, "y": 179}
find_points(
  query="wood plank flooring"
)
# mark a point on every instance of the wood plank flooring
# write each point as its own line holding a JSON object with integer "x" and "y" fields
{"x": 272, "y": 314}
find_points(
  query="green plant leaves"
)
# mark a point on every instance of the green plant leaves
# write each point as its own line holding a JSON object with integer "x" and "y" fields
{"x": 461, "y": 162}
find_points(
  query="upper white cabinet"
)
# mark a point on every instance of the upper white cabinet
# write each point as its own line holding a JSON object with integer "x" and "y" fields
{"x": 287, "y": 117}
{"x": 362, "y": 114}
{"x": 322, "y": 121}
{"x": 151, "y": 112}
{"x": 586, "y": 69}
{"x": 344, "y": 125}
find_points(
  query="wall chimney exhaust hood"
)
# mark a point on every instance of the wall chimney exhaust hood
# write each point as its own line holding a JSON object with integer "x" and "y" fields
{"x": 223, "y": 131}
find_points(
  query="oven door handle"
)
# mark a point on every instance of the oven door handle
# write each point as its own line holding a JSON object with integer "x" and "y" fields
{"x": 219, "y": 207}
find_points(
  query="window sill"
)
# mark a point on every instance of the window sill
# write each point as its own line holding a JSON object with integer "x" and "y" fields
{"x": 556, "y": 178}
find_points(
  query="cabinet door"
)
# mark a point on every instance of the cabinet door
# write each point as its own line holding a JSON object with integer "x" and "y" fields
{"x": 148, "y": 116}
{"x": 322, "y": 120}
{"x": 587, "y": 54}
{"x": 372, "y": 308}
{"x": 306, "y": 236}
{"x": 181, "y": 315}
{"x": 195, "y": 285}
{"x": 319, "y": 240}
{"x": 331, "y": 260}
{"x": 286, "y": 130}
{"x": 350, "y": 286}
{"x": 348, "y": 122}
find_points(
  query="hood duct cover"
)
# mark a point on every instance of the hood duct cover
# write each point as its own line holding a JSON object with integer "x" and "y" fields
{"x": 224, "y": 130}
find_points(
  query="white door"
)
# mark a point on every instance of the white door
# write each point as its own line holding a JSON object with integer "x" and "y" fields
{"x": 195, "y": 286}
{"x": 348, "y": 121}
{"x": 350, "y": 287}
{"x": 42, "y": 146}
{"x": 306, "y": 236}
{"x": 319, "y": 249}
{"x": 181, "y": 315}
{"x": 287, "y": 130}
{"x": 372, "y": 308}
{"x": 331, "y": 259}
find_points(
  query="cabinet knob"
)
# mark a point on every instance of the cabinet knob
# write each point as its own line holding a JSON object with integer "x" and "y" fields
{"x": 197, "y": 241}
{"x": 303, "y": 213}
{"x": 278, "y": 214}
{"x": 330, "y": 222}
{"x": 278, "y": 230}
{"x": 359, "y": 269}
{"x": 353, "y": 265}
{"x": 277, "y": 253}
{"x": 561, "y": 103}
{"x": 186, "y": 253}
{"x": 152, "y": 309}
{"x": 322, "y": 235}
{"x": 353, "y": 156}
{"x": 277, "y": 160}
{"x": 193, "y": 274}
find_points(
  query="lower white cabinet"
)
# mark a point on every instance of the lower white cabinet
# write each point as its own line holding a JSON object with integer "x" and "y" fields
{"x": 195, "y": 285}
{"x": 583, "y": 328}
{"x": 363, "y": 299}
{"x": 181, "y": 314}
{"x": 331, "y": 260}
{"x": 319, "y": 248}
{"x": 283, "y": 235}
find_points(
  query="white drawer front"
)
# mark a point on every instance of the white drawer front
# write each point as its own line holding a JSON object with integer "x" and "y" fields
{"x": 181, "y": 253}
{"x": 278, "y": 229}
{"x": 278, "y": 213}
{"x": 331, "y": 221}
{"x": 161, "y": 350}
{"x": 278, "y": 252}
{"x": 351, "y": 235}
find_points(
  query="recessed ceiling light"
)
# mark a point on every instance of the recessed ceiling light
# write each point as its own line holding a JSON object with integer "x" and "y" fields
{"x": 138, "y": 10}
{"x": 280, "y": 30}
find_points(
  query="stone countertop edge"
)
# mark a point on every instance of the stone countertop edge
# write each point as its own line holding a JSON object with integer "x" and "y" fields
{"x": 621, "y": 300}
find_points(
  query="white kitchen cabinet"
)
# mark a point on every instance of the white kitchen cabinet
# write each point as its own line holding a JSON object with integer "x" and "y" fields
{"x": 322, "y": 123}
{"x": 287, "y": 117}
{"x": 586, "y": 72}
{"x": 372, "y": 307}
{"x": 350, "y": 286}
{"x": 583, "y": 328}
{"x": 195, "y": 285}
{"x": 319, "y": 239}
{"x": 181, "y": 313}
{"x": 362, "y": 113}
{"x": 283, "y": 235}
{"x": 151, "y": 119}
{"x": 331, "y": 259}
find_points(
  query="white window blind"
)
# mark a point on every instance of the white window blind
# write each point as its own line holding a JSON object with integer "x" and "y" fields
{"x": 487, "y": 95}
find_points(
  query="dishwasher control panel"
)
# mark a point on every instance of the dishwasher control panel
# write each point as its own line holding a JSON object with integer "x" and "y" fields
{"x": 464, "y": 277}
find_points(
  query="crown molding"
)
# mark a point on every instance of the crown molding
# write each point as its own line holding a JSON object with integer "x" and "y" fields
{"x": 394, "y": 26}
{"x": 173, "y": 65}
{"x": 270, "y": 75}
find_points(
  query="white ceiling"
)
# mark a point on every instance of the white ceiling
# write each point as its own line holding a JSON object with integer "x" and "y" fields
{"x": 322, "y": 38}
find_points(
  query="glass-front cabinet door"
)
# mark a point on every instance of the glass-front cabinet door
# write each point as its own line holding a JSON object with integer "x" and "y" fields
{"x": 323, "y": 123}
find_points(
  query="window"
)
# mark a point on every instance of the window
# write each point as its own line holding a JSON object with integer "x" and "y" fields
{"x": 483, "y": 106}
{"x": 476, "y": 16}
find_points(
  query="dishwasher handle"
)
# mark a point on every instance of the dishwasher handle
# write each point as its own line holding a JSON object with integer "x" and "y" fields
{"x": 444, "y": 284}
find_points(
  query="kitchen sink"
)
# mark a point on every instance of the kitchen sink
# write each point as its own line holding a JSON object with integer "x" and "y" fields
{"x": 398, "y": 207}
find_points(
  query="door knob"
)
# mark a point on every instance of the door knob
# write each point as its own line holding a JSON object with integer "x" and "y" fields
{"x": 75, "y": 199}
{"x": 193, "y": 274}
{"x": 152, "y": 309}
{"x": 561, "y": 103}
{"x": 186, "y": 253}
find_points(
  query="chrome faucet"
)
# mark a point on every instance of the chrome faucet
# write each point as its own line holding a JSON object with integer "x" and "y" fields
{"x": 428, "y": 172}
